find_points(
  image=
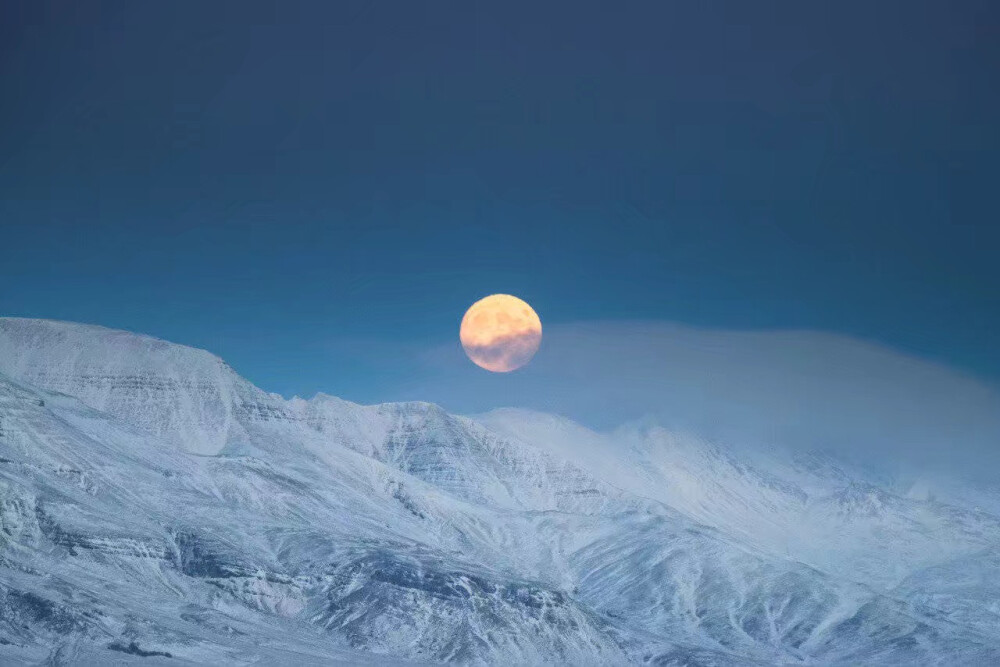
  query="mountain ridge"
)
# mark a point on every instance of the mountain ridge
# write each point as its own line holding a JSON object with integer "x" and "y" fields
{"x": 399, "y": 531}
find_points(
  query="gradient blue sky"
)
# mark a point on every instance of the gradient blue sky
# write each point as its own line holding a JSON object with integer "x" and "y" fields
{"x": 293, "y": 186}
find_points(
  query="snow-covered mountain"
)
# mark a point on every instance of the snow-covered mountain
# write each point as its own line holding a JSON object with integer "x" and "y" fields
{"x": 156, "y": 507}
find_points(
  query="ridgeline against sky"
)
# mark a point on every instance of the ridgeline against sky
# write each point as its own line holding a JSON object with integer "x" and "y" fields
{"x": 281, "y": 185}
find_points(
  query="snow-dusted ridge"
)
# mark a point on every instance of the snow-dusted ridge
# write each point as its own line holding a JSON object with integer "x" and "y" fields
{"x": 157, "y": 507}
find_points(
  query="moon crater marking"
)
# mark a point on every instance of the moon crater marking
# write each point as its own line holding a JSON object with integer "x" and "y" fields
{"x": 500, "y": 333}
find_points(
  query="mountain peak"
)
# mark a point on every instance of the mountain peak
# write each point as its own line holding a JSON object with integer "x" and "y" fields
{"x": 37, "y": 346}
{"x": 177, "y": 392}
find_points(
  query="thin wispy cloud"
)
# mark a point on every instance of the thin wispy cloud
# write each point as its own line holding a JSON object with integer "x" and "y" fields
{"x": 798, "y": 389}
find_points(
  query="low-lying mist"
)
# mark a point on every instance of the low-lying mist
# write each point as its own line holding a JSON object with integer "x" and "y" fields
{"x": 793, "y": 389}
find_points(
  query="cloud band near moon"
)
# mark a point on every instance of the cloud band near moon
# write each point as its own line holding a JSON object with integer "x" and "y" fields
{"x": 505, "y": 353}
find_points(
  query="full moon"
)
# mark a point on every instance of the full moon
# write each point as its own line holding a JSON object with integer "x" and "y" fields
{"x": 500, "y": 333}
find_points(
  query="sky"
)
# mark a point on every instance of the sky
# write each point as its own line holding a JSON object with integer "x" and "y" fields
{"x": 316, "y": 192}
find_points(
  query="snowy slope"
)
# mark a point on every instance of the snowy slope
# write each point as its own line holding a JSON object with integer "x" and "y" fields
{"x": 152, "y": 502}
{"x": 809, "y": 509}
{"x": 179, "y": 393}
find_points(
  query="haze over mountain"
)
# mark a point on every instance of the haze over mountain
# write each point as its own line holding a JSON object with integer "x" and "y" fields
{"x": 157, "y": 507}
{"x": 752, "y": 390}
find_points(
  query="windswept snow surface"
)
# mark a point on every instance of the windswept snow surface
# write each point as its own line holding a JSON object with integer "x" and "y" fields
{"x": 156, "y": 508}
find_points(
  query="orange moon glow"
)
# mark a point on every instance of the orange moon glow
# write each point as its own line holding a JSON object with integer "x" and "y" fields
{"x": 501, "y": 333}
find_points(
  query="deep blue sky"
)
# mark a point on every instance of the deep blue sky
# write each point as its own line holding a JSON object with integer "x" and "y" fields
{"x": 284, "y": 184}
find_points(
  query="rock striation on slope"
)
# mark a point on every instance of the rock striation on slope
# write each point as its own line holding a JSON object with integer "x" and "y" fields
{"x": 156, "y": 507}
